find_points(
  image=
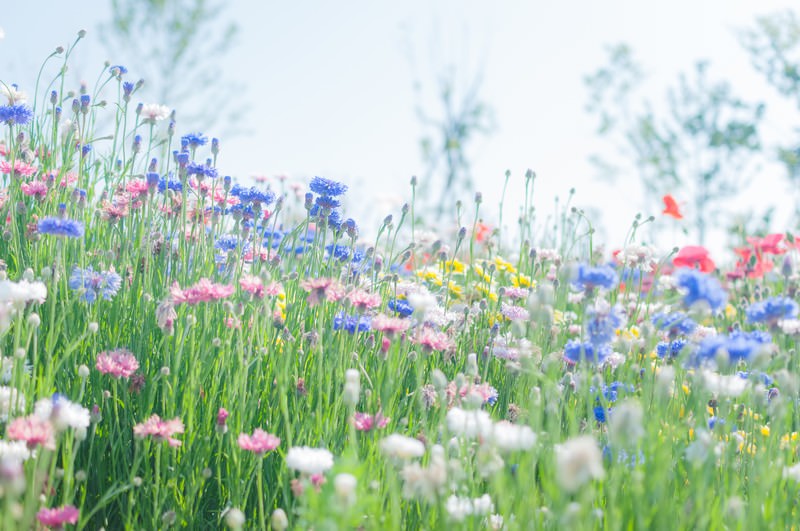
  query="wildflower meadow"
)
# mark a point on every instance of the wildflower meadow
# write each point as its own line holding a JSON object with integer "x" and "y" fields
{"x": 185, "y": 349}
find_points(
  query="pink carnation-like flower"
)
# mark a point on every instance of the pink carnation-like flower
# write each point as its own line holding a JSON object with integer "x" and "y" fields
{"x": 514, "y": 313}
{"x": 58, "y": 516}
{"x": 318, "y": 288}
{"x": 19, "y": 169}
{"x": 367, "y": 422}
{"x": 119, "y": 363}
{"x": 253, "y": 285}
{"x": 430, "y": 339}
{"x": 390, "y": 325}
{"x": 259, "y": 443}
{"x": 37, "y": 189}
{"x": 203, "y": 291}
{"x": 33, "y": 430}
{"x": 137, "y": 187}
{"x": 364, "y": 300}
{"x": 516, "y": 293}
{"x": 160, "y": 430}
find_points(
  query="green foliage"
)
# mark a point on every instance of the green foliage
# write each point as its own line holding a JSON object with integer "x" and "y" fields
{"x": 178, "y": 47}
{"x": 698, "y": 143}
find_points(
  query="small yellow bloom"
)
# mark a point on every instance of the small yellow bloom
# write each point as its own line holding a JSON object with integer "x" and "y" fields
{"x": 765, "y": 431}
{"x": 454, "y": 265}
{"x": 503, "y": 265}
{"x": 730, "y": 311}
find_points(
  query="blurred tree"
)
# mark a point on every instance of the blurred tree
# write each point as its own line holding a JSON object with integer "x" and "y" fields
{"x": 774, "y": 47}
{"x": 699, "y": 144}
{"x": 462, "y": 115}
{"x": 177, "y": 46}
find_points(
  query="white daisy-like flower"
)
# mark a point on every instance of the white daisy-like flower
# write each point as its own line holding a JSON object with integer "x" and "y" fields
{"x": 470, "y": 424}
{"x": 399, "y": 446}
{"x": 22, "y": 292}
{"x": 14, "y": 450}
{"x": 578, "y": 461}
{"x": 62, "y": 413}
{"x": 154, "y": 112}
{"x": 309, "y": 460}
{"x": 508, "y": 437}
{"x": 458, "y": 508}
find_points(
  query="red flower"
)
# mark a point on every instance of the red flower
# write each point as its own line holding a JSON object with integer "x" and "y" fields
{"x": 694, "y": 256}
{"x": 671, "y": 207}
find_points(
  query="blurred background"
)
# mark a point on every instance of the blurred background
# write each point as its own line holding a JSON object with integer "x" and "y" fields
{"x": 621, "y": 101}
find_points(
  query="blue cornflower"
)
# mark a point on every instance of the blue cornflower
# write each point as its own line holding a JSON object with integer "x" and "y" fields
{"x": 670, "y": 349}
{"x": 611, "y": 391}
{"x": 127, "y": 88}
{"x": 589, "y": 277}
{"x": 194, "y": 140}
{"x": 335, "y": 220}
{"x": 738, "y": 346}
{"x": 226, "y": 242}
{"x": 400, "y": 306}
{"x": 327, "y": 203}
{"x": 60, "y": 227}
{"x": 19, "y": 114}
{"x": 352, "y": 323}
{"x": 172, "y": 184}
{"x": 326, "y": 187}
{"x": 772, "y": 310}
{"x": 93, "y": 283}
{"x": 339, "y": 252}
{"x": 599, "y": 414}
{"x": 196, "y": 168}
{"x": 252, "y": 195}
{"x": 575, "y": 351}
{"x": 700, "y": 287}
{"x": 675, "y": 323}
{"x": 119, "y": 68}
{"x": 601, "y": 324}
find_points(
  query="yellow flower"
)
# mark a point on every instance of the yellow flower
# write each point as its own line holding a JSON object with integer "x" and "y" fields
{"x": 730, "y": 311}
{"x": 522, "y": 281}
{"x": 558, "y": 317}
{"x": 765, "y": 431}
{"x": 503, "y": 265}
{"x": 454, "y": 265}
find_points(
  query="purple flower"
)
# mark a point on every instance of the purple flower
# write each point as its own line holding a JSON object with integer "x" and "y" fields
{"x": 60, "y": 227}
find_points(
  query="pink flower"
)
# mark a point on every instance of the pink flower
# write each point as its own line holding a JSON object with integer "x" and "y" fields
{"x": 137, "y": 187}
{"x": 367, "y": 422}
{"x": 430, "y": 339}
{"x": 203, "y": 291}
{"x": 119, "y": 363}
{"x": 259, "y": 443}
{"x": 19, "y": 169}
{"x": 33, "y": 430}
{"x": 363, "y": 300}
{"x": 516, "y": 293}
{"x": 222, "y": 416}
{"x": 37, "y": 189}
{"x": 273, "y": 289}
{"x": 253, "y": 285}
{"x": 57, "y": 517}
{"x": 160, "y": 430}
{"x": 328, "y": 288}
{"x": 389, "y": 325}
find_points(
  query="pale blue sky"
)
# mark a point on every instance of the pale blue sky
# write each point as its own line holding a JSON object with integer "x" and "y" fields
{"x": 329, "y": 85}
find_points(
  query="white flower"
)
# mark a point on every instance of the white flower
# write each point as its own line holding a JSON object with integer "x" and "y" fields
{"x": 426, "y": 483}
{"x": 235, "y": 518}
{"x": 309, "y": 460}
{"x": 638, "y": 256}
{"x": 723, "y": 385}
{"x": 153, "y": 112}
{"x": 11, "y": 401}
{"x": 792, "y": 472}
{"x": 62, "y": 413}
{"x": 401, "y": 447}
{"x": 495, "y": 522}
{"x": 459, "y": 508}
{"x": 510, "y": 437}
{"x": 22, "y": 292}
{"x": 422, "y": 302}
{"x": 626, "y": 423}
{"x": 790, "y": 326}
{"x": 471, "y": 424}
{"x": 14, "y": 450}
{"x": 13, "y": 95}
{"x": 345, "y": 487}
{"x": 578, "y": 461}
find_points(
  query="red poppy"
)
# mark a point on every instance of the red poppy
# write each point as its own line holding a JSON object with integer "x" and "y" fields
{"x": 769, "y": 244}
{"x": 694, "y": 256}
{"x": 671, "y": 207}
{"x": 482, "y": 232}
